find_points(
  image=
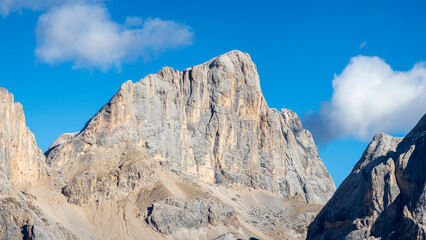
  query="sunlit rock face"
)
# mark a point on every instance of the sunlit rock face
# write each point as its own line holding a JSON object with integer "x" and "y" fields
{"x": 21, "y": 161}
{"x": 22, "y": 167}
{"x": 210, "y": 122}
{"x": 384, "y": 197}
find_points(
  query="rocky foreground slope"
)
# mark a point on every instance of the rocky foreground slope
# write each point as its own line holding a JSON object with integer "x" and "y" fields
{"x": 384, "y": 197}
{"x": 195, "y": 154}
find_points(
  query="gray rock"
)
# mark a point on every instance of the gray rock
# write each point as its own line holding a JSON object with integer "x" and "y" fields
{"x": 113, "y": 179}
{"x": 227, "y": 236}
{"x": 172, "y": 215}
{"x": 20, "y": 219}
{"x": 384, "y": 196}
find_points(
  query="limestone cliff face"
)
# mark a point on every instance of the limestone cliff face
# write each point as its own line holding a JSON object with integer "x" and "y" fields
{"x": 22, "y": 167}
{"x": 211, "y": 122}
{"x": 384, "y": 196}
{"x": 21, "y": 161}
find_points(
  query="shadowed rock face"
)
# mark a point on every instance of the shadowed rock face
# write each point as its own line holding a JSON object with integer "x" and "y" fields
{"x": 385, "y": 194}
{"x": 211, "y": 122}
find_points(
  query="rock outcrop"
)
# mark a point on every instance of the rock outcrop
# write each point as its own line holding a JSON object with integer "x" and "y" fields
{"x": 22, "y": 166}
{"x": 21, "y": 161}
{"x": 171, "y": 215}
{"x": 384, "y": 196}
{"x": 211, "y": 122}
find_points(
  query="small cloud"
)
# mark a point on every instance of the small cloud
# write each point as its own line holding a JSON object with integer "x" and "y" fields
{"x": 362, "y": 45}
{"x": 85, "y": 35}
{"x": 370, "y": 97}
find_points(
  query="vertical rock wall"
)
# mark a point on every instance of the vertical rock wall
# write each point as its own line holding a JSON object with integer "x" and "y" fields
{"x": 21, "y": 161}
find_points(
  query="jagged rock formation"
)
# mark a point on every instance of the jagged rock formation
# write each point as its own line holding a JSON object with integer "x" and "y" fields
{"x": 22, "y": 166}
{"x": 195, "y": 154}
{"x": 21, "y": 161}
{"x": 209, "y": 121}
{"x": 384, "y": 196}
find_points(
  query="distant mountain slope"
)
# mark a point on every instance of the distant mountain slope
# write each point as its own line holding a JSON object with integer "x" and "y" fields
{"x": 384, "y": 197}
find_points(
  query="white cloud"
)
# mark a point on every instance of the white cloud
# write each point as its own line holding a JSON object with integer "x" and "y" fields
{"x": 85, "y": 35}
{"x": 9, "y": 6}
{"x": 370, "y": 97}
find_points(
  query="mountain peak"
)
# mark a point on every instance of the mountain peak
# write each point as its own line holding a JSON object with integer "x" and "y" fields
{"x": 21, "y": 160}
{"x": 385, "y": 188}
{"x": 234, "y": 57}
{"x": 419, "y": 128}
{"x": 241, "y": 55}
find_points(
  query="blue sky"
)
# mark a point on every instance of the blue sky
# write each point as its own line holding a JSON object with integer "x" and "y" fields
{"x": 299, "y": 47}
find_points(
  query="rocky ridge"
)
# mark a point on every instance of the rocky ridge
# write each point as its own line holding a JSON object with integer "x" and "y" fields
{"x": 385, "y": 188}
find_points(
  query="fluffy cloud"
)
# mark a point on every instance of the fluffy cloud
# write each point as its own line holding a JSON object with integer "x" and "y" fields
{"x": 370, "y": 97}
{"x": 85, "y": 35}
{"x": 8, "y": 6}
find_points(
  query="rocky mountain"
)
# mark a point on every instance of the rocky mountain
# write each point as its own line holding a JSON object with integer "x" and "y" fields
{"x": 195, "y": 154}
{"x": 384, "y": 197}
{"x": 211, "y": 122}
